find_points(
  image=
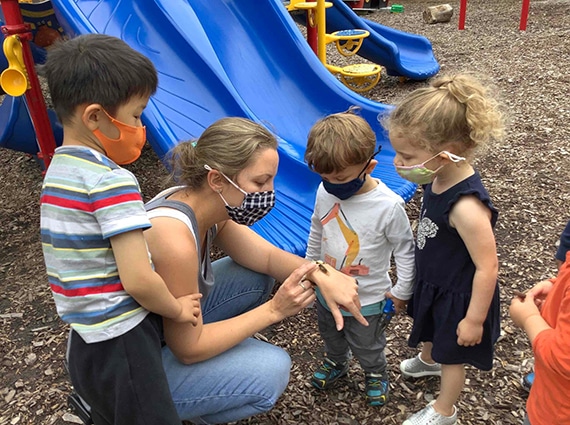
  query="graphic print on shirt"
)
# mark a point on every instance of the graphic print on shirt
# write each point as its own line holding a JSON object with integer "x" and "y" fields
{"x": 346, "y": 264}
{"x": 426, "y": 229}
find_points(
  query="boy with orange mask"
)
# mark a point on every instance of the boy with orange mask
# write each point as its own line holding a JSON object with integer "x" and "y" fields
{"x": 92, "y": 222}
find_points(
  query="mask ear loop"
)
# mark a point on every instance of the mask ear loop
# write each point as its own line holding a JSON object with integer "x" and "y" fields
{"x": 370, "y": 160}
{"x": 207, "y": 167}
{"x": 452, "y": 157}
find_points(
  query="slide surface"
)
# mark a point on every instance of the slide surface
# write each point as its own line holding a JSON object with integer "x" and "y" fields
{"x": 401, "y": 53}
{"x": 235, "y": 58}
{"x": 16, "y": 128}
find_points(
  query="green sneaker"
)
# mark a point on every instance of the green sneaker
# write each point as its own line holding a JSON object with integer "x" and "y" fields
{"x": 328, "y": 373}
{"x": 377, "y": 389}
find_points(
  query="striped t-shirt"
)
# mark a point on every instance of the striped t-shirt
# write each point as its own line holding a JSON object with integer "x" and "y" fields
{"x": 86, "y": 199}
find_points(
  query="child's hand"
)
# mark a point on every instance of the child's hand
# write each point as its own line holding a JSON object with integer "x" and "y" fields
{"x": 399, "y": 304}
{"x": 190, "y": 309}
{"x": 521, "y": 309}
{"x": 469, "y": 333}
{"x": 540, "y": 291}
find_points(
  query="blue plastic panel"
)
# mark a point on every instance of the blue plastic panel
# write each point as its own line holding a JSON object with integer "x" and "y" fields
{"x": 235, "y": 58}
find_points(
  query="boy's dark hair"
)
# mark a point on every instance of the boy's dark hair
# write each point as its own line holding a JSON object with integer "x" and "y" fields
{"x": 96, "y": 68}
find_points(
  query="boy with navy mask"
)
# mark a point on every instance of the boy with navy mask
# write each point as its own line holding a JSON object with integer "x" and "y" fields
{"x": 357, "y": 225}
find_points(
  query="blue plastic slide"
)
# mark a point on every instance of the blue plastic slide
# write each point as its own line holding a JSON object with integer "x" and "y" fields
{"x": 16, "y": 129}
{"x": 235, "y": 58}
{"x": 401, "y": 53}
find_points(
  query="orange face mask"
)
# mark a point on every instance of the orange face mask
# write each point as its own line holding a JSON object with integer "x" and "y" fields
{"x": 127, "y": 148}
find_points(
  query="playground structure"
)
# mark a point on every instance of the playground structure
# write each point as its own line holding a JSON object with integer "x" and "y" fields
{"x": 14, "y": 79}
{"x": 523, "y": 21}
{"x": 401, "y": 54}
{"x": 20, "y": 78}
{"x": 358, "y": 77}
{"x": 203, "y": 78}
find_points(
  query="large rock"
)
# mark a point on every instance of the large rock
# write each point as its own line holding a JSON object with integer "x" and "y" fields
{"x": 440, "y": 13}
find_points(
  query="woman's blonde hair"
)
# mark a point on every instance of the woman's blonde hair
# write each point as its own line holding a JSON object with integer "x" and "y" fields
{"x": 228, "y": 145}
{"x": 338, "y": 141}
{"x": 454, "y": 109}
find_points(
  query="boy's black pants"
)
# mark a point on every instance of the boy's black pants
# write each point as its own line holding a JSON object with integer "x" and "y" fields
{"x": 122, "y": 379}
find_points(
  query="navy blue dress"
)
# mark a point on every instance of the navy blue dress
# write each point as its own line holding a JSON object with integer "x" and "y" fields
{"x": 444, "y": 280}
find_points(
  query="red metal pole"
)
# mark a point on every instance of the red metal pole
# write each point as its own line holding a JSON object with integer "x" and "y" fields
{"x": 524, "y": 14}
{"x": 312, "y": 31}
{"x": 462, "y": 13}
{"x": 34, "y": 97}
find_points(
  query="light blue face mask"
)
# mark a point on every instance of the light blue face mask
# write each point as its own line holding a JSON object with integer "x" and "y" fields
{"x": 420, "y": 174}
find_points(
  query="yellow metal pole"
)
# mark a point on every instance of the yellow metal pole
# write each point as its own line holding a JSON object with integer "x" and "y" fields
{"x": 321, "y": 31}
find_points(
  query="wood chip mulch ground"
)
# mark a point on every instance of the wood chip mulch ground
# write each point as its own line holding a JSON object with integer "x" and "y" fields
{"x": 527, "y": 175}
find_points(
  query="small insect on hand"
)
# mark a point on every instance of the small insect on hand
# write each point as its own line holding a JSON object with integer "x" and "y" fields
{"x": 322, "y": 267}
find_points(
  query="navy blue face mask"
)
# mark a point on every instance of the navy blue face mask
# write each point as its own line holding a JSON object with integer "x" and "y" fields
{"x": 345, "y": 190}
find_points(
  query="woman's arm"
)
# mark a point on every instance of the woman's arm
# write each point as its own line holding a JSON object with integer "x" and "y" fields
{"x": 175, "y": 258}
{"x": 218, "y": 337}
{"x": 250, "y": 250}
{"x": 472, "y": 219}
{"x": 145, "y": 285}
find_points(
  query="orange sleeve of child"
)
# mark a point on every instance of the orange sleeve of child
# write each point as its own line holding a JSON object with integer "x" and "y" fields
{"x": 548, "y": 402}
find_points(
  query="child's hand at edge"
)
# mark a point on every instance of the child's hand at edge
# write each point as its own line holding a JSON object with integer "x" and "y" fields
{"x": 190, "y": 309}
{"x": 399, "y": 305}
{"x": 540, "y": 291}
{"x": 521, "y": 309}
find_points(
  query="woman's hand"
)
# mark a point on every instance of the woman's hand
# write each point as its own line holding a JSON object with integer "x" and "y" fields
{"x": 294, "y": 294}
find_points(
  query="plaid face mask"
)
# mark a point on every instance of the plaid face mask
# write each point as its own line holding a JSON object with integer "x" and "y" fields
{"x": 254, "y": 207}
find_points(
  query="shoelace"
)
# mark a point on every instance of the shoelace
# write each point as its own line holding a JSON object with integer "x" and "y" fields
{"x": 377, "y": 383}
{"x": 327, "y": 367}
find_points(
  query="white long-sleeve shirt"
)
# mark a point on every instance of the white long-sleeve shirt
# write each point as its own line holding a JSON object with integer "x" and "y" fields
{"x": 358, "y": 236}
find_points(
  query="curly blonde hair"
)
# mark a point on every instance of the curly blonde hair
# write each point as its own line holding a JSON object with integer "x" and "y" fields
{"x": 453, "y": 109}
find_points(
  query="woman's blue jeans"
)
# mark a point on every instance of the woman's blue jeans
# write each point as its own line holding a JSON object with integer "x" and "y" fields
{"x": 243, "y": 381}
